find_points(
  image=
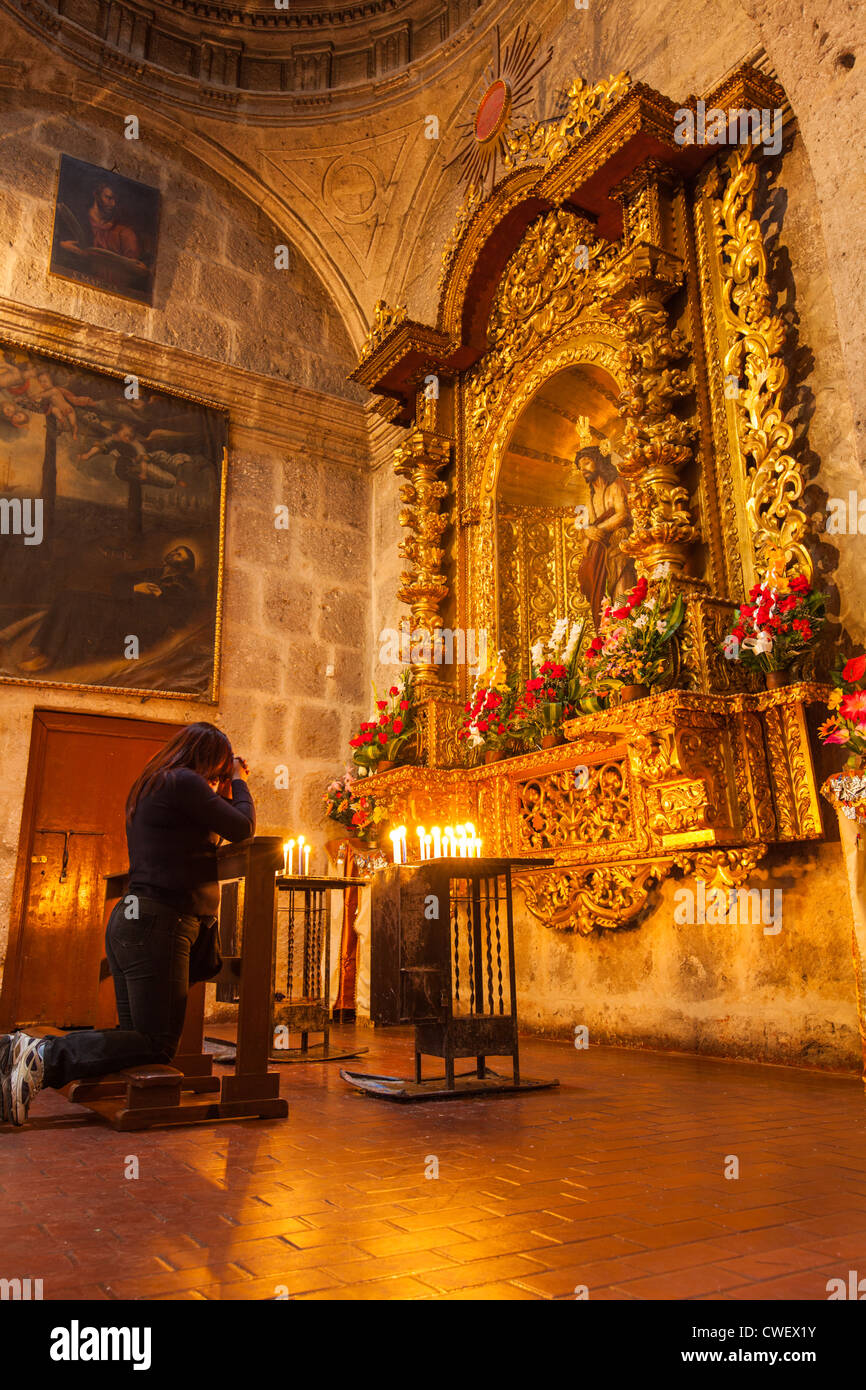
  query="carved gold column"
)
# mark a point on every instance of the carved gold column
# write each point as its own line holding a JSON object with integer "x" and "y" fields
{"x": 772, "y": 478}
{"x": 420, "y": 459}
{"x": 656, "y": 443}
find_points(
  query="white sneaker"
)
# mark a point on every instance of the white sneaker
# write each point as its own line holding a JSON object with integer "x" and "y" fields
{"x": 6, "y": 1041}
{"x": 26, "y": 1075}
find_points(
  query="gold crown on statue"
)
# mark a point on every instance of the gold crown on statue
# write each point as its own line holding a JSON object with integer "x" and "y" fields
{"x": 584, "y": 432}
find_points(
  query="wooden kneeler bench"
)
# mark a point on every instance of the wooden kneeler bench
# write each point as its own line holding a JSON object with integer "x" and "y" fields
{"x": 187, "y": 1092}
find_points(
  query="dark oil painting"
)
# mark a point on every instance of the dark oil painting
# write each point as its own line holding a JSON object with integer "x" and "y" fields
{"x": 105, "y": 230}
{"x": 128, "y": 485}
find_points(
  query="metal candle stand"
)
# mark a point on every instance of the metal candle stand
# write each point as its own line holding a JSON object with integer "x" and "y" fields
{"x": 302, "y": 904}
{"x": 442, "y": 958}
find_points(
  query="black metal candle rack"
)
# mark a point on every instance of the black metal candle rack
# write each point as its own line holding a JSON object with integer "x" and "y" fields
{"x": 442, "y": 958}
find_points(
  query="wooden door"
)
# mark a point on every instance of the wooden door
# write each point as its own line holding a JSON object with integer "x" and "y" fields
{"x": 72, "y": 834}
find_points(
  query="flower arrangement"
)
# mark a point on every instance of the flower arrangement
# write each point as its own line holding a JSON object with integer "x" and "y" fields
{"x": 347, "y": 804}
{"x": 490, "y": 708}
{"x": 350, "y": 806}
{"x": 633, "y": 643}
{"x": 341, "y": 798}
{"x": 385, "y": 736}
{"x": 551, "y": 693}
{"x": 846, "y": 725}
{"x": 779, "y": 622}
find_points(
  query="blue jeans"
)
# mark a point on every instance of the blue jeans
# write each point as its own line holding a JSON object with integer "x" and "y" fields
{"x": 149, "y": 961}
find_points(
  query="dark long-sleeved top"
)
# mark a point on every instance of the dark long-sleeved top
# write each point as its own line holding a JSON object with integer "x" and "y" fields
{"x": 173, "y": 837}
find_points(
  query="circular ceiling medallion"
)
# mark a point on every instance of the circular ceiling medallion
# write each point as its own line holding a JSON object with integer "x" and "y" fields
{"x": 351, "y": 187}
{"x": 493, "y": 111}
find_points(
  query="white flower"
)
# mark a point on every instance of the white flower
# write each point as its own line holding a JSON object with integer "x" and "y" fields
{"x": 731, "y": 648}
{"x": 642, "y": 620}
{"x": 661, "y": 625}
{"x": 537, "y": 653}
{"x": 760, "y": 644}
{"x": 560, "y": 628}
{"x": 661, "y": 571}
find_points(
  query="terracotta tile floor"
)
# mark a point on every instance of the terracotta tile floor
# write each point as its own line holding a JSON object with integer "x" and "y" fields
{"x": 614, "y": 1181}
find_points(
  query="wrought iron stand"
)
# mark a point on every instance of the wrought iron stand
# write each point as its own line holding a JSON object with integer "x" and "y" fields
{"x": 304, "y": 1006}
{"x": 442, "y": 957}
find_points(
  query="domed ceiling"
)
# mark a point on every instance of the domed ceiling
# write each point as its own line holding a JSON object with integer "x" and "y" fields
{"x": 255, "y": 56}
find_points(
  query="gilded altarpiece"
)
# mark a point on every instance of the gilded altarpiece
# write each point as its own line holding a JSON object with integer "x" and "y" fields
{"x": 608, "y": 341}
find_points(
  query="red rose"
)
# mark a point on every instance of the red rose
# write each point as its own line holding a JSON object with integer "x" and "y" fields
{"x": 799, "y": 584}
{"x": 393, "y": 690}
{"x": 383, "y": 738}
{"x": 739, "y": 633}
{"x": 355, "y": 742}
{"x": 620, "y": 613}
{"x": 854, "y": 669}
{"x": 383, "y": 719}
{"x": 397, "y": 726}
{"x": 381, "y": 704}
{"x": 404, "y": 704}
{"x": 482, "y": 726}
{"x": 551, "y": 693}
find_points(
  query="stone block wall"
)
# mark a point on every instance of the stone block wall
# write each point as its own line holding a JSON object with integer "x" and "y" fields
{"x": 271, "y": 348}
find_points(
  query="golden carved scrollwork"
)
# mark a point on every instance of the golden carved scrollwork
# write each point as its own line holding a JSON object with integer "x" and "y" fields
{"x": 385, "y": 320}
{"x": 722, "y": 868}
{"x": 606, "y": 897}
{"x": 544, "y": 142}
{"x": 590, "y": 805}
{"x": 756, "y": 336}
{"x": 419, "y": 459}
{"x": 544, "y": 286}
{"x": 538, "y": 553}
{"x": 656, "y": 444}
{"x": 681, "y": 772}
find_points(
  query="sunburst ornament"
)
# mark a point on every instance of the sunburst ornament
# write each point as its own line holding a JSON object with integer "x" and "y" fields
{"x": 505, "y": 90}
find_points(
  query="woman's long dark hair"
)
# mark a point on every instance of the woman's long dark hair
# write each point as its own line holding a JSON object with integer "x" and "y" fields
{"x": 201, "y": 747}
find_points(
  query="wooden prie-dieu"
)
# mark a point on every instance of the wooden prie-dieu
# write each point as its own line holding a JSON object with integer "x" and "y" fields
{"x": 187, "y": 1092}
{"x": 442, "y": 958}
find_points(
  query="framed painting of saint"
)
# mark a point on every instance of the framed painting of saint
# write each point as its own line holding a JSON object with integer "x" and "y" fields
{"x": 112, "y": 507}
{"x": 105, "y": 230}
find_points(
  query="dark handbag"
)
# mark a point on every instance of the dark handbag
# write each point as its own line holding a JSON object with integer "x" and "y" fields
{"x": 205, "y": 961}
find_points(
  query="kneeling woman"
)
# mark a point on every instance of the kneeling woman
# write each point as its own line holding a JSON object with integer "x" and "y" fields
{"x": 191, "y": 794}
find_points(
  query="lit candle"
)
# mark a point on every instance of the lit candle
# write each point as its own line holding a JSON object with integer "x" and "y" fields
{"x": 306, "y": 859}
{"x": 437, "y": 842}
{"x": 460, "y": 835}
{"x": 422, "y": 836}
{"x": 288, "y": 856}
{"x": 449, "y": 848}
{"x": 404, "y": 854}
{"x": 396, "y": 838}
{"x": 470, "y": 830}
{"x": 300, "y": 854}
